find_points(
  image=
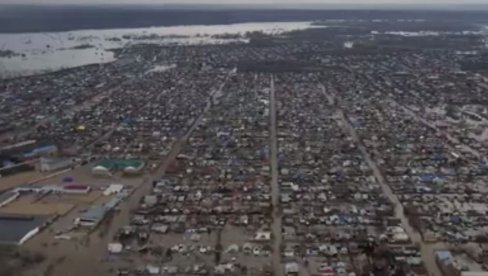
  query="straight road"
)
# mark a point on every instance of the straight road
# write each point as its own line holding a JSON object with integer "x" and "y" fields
{"x": 275, "y": 189}
{"x": 425, "y": 249}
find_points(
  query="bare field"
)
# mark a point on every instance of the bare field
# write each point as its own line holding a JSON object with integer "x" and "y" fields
{"x": 30, "y": 205}
{"x": 13, "y": 181}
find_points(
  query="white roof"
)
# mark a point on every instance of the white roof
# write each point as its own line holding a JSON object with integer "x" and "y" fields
{"x": 113, "y": 188}
{"x": 114, "y": 247}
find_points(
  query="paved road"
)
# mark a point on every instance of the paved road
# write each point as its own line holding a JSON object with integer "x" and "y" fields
{"x": 275, "y": 189}
{"x": 425, "y": 249}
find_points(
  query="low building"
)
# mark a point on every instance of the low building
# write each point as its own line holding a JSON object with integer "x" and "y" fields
{"x": 54, "y": 164}
{"x": 263, "y": 236}
{"x": 76, "y": 189}
{"x": 129, "y": 167}
{"x": 113, "y": 189}
{"x": 292, "y": 269}
{"x": 47, "y": 150}
{"x": 114, "y": 248}
{"x": 91, "y": 217}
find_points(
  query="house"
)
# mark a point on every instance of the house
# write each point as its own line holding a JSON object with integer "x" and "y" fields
{"x": 150, "y": 200}
{"x": 153, "y": 270}
{"x": 262, "y": 236}
{"x": 291, "y": 268}
{"x": 160, "y": 228}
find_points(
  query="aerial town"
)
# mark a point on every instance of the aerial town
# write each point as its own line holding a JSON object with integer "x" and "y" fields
{"x": 359, "y": 149}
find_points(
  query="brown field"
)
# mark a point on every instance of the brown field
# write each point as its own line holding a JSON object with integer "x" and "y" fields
{"x": 12, "y": 181}
{"x": 83, "y": 253}
{"x": 28, "y": 205}
{"x": 79, "y": 198}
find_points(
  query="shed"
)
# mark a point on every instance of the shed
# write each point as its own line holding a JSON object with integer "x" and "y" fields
{"x": 114, "y": 248}
{"x": 291, "y": 268}
{"x": 152, "y": 269}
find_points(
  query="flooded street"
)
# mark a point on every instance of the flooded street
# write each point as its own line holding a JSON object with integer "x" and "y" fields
{"x": 275, "y": 186}
{"x": 425, "y": 249}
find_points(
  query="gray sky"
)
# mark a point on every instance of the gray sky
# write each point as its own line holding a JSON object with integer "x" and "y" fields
{"x": 240, "y": 2}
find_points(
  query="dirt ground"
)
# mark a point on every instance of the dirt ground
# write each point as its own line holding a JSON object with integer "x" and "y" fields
{"x": 83, "y": 254}
{"x": 12, "y": 181}
{"x": 30, "y": 205}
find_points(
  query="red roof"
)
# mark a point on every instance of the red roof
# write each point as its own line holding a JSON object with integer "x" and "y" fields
{"x": 75, "y": 187}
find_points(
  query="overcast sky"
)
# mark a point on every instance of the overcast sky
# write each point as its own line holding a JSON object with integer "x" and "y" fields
{"x": 241, "y": 2}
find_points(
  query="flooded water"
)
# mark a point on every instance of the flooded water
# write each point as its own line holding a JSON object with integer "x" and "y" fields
{"x": 427, "y": 33}
{"x": 51, "y": 61}
{"x": 31, "y": 53}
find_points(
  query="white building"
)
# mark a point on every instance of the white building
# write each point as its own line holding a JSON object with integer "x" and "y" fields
{"x": 114, "y": 248}
{"x": 113, "y": 189}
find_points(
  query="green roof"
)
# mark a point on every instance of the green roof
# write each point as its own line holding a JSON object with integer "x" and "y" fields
{"x": 118, "y": 164}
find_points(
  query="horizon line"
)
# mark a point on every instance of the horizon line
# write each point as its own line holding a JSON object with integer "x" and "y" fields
{"x": 260, "y": 5}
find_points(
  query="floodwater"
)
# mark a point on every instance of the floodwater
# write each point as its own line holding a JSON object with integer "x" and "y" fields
{"x": 52, "y": 61}
{"x": 427, "y": 33}
{"x": 42, "y": 52}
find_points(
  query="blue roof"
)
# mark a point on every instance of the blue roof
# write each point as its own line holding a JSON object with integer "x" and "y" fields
{"x": 455, "y": 219}
{"x": 429, "y": 177}
{"x": 39, "y": 150}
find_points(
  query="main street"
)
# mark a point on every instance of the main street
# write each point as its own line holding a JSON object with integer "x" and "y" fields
{"x": 275, "y": 189}
{"x": 427, "y": 250}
